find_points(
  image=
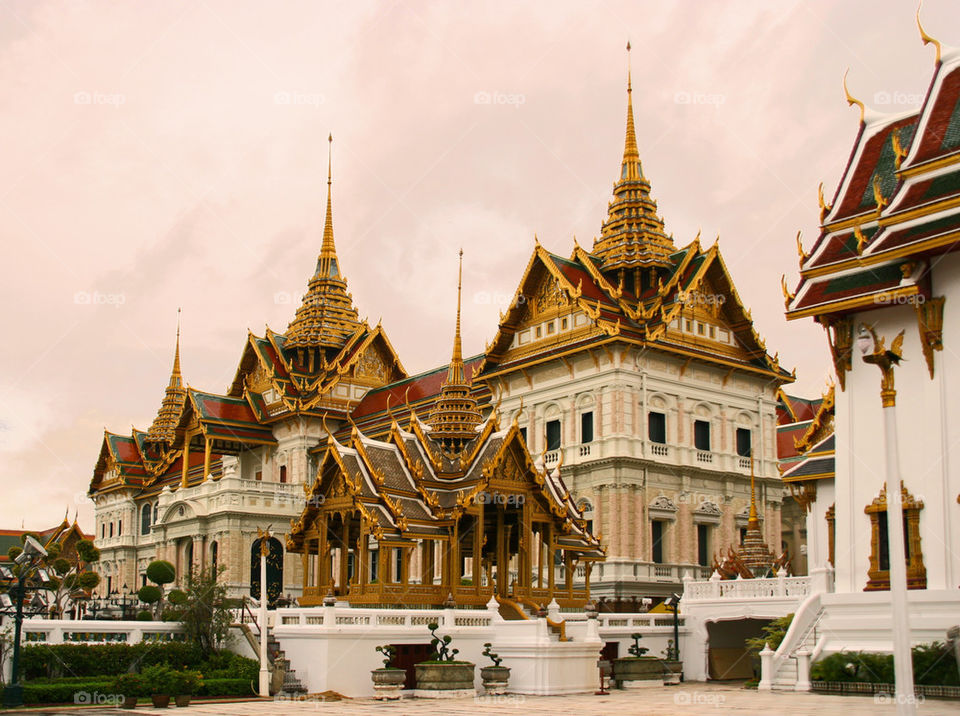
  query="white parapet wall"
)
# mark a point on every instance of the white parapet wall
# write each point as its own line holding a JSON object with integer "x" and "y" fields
{"x": 334, "y": 648}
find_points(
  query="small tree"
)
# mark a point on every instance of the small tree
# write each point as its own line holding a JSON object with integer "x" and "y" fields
{"x": 636, "y": 650}
{"x": 204, "y": 612}
{"x": 71, "y": 579}
{"x": 161, "y": 573}
{"x": 441, "y": 644}
{"x": 773, "y": 634}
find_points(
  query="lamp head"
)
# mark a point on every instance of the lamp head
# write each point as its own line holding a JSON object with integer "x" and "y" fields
{"x": 32, "y": 551}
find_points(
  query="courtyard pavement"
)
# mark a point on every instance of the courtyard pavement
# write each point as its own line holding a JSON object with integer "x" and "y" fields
{"x": 682, "y": 700}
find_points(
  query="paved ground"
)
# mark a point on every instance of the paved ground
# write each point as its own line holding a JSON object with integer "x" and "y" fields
{"x": 682, "y": 700}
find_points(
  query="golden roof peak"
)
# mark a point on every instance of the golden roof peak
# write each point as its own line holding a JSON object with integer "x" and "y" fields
{"x": 927, "y": 39}
{"x": 851, "y": 100}
{"x": 633, "y": 235}
{"x": 455, "y": 415}
{"x": 164, "y": 425}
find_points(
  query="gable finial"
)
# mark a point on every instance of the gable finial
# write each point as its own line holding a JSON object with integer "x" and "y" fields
{"x": 851, "y": 100}
{"x": 927, "y": 39}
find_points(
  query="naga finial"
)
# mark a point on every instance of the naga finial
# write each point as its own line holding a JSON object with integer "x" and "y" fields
{"x": 861, "y": 239}
{"x": 787, "y": 296}
{"x": 927, "y": 40}
{"x": 899, "y": 151}
{"x": 878, "y": 196}
{"x": 824, "y": 206}
{"x": 801, "y": 254}
{"x": 851, "y": 100}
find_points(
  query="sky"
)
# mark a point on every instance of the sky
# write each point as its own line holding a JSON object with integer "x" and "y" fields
{"x": 163, "y": 155}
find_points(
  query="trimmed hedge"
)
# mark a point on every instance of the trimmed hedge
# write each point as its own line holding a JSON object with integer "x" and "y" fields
{"x": 62, "y": 693}
{"x": 226, "y": 687}
{"x": 933, "y": 665}
{"x": 91, "y": 660}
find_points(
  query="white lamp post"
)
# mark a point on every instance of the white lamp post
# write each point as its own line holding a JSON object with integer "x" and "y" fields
{"x": 874, "y": 352}
{"x": 264, "y": 668}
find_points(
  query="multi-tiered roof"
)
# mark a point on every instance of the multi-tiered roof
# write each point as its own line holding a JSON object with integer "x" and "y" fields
{"x": 895, "y": 210}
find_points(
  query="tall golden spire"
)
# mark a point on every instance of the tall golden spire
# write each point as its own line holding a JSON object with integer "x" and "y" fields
{"x": 164, "y": 425}
{"x": 455, "y": 416}
{"x": 326, "y": 317}
{"x": 633, "y": 236}
{"x": 753, "y": 522}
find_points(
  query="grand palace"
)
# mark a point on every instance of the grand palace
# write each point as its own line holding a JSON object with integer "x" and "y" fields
{"x": 604, "y": 443}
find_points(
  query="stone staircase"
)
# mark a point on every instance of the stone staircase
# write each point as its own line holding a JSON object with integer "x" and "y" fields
{"x": 291, "y": 685}
{"x": 786, "y": 677}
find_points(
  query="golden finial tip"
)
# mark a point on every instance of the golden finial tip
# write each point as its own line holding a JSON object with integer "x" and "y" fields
{"x": 927, "y": 39}
{"x": 851, "y": 100}
{"x": 628, "y": 43}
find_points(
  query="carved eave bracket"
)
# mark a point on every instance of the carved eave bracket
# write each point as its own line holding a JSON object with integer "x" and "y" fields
{"x": 930, "y": 325}
{"x": 805, "y": 493}
{"x": 840, "y": 337}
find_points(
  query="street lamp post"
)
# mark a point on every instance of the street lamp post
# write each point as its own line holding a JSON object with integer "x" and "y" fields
{"x": 264, "y": 669}
{"x": 33, "y": 551}
{"x": 674, "y": 602}
{"x": 874, "y": 352}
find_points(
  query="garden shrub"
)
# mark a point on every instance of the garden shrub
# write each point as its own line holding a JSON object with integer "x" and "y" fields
{"x": 933, "y": 665}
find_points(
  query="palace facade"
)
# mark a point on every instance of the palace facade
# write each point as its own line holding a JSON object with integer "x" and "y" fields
{"x": 633, "y": 369}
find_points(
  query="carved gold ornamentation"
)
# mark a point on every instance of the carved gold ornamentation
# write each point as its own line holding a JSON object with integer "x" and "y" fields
{"x": 861, "y": 239}
{"x": 370, "y": 365}
{"x": 801, "y": 254}
{"x": 824, "y": 207}
{"x": 927, "y": 40}
{"x": 930, "y": 325}
{"x": 899, "y": 151}
{"x": 851, "y": 100}
{"x": 886, "y": 361}
{"x": 787, "y": 295}
{"x": 840, "y": 338}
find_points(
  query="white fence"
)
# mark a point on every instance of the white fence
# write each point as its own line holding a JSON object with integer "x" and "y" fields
{"x": 90, "y": 631}
{"x": 776, "y": 588}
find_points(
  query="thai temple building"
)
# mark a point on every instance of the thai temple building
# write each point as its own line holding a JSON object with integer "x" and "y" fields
{"x": 604, "y": 444}
{"x": 878, "y": 279}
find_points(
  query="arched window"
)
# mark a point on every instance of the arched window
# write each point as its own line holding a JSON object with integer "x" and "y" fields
{"x": 145, "y": 513}
{"x": 156, "y": 512}
{"x": 214, "y": 554}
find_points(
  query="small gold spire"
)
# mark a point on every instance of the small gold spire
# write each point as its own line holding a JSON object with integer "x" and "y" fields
{"x": 851, "y": 100}
{"x": 801, "y": 254}
{"x": 165, "y": 423}
{"x": 753, "y": 522}
{"x": 927, "y": 40}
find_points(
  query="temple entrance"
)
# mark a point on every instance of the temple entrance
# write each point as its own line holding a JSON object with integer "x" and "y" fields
{"x": 727, "y": 654}
{"x": 274, "y": 570}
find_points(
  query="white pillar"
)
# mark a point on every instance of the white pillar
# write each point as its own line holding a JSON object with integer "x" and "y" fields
{"x": 264, "y": 669}
{"x": 766, "y": 669}
{"x": 902, "y": 657}
{"x": 803, "y": 670}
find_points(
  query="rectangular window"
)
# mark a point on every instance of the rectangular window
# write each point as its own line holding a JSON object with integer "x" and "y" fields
{"x": 657, "y": 427}
{"x": 111, "y": 529}
{"x": 539, "y": 331}
{"x": 553, "y": 434}
{"x": 703, "y": 545}
{"x": 586, "y": 428}
{"x": 884, "y": 535}
{"x": 744, "y": 442}
{"x": 689, "y": 326}
{"x": 398, "y": 563}
{"x": 699, "y": 329}
{"x": 550, "y": 327}
{"x": 109, "y": 584}
{"x": 563, "y": 324}
{"x": 119, "y": 527}
{"x": 283, "y": 473}
{"x": 103, "y": 530}
{"x": 656, "y": 539}
{"x": 713, "y": 332}
{"x": 374, "y": 565}
{"x": 259, "y": 475}
{"x": 143, "y": 579}
{"x": 701, "y": 434}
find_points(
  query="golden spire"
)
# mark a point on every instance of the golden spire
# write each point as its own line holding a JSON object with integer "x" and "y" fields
{"x": 753, "y": 522}
{"x": 327, "y": 264}
{"x": 633, "y": 236}
{"x": 455, "y": 374}
{"x": 455, "y": 415}
{"x": 326, "y": 317}
{"x": 164, "y": 425}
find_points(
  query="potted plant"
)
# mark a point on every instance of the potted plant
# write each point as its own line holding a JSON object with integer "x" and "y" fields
{"x": 158, "y": 681}
{"x": 388, "y": 680}
{"x": 183, "y": 685}
{"x": 494, "y": 677}
{"x": 130, "y": 686}
{"x": 672, "y": 666}
{"x": 637, "y": 670}
{"x": 442, "y": 675}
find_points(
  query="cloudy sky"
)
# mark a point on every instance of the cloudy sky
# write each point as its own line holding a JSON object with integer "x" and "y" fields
{"x": 165, "y": 154}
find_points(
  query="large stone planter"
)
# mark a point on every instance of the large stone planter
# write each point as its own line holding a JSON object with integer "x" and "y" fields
{"x": 495, "y": 679}
{"x": 446, "y": 680}
{"x": 388, "y": 683}
{"x": 160, "y": 701}
{"x": 672, "y": 671}
{"x": 637, "y": 672}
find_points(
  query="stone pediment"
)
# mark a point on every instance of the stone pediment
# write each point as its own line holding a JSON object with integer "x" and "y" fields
{"x": 662, "y": 507}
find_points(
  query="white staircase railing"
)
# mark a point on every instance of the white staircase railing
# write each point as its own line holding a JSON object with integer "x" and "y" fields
{"x": 804, "y": 622}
